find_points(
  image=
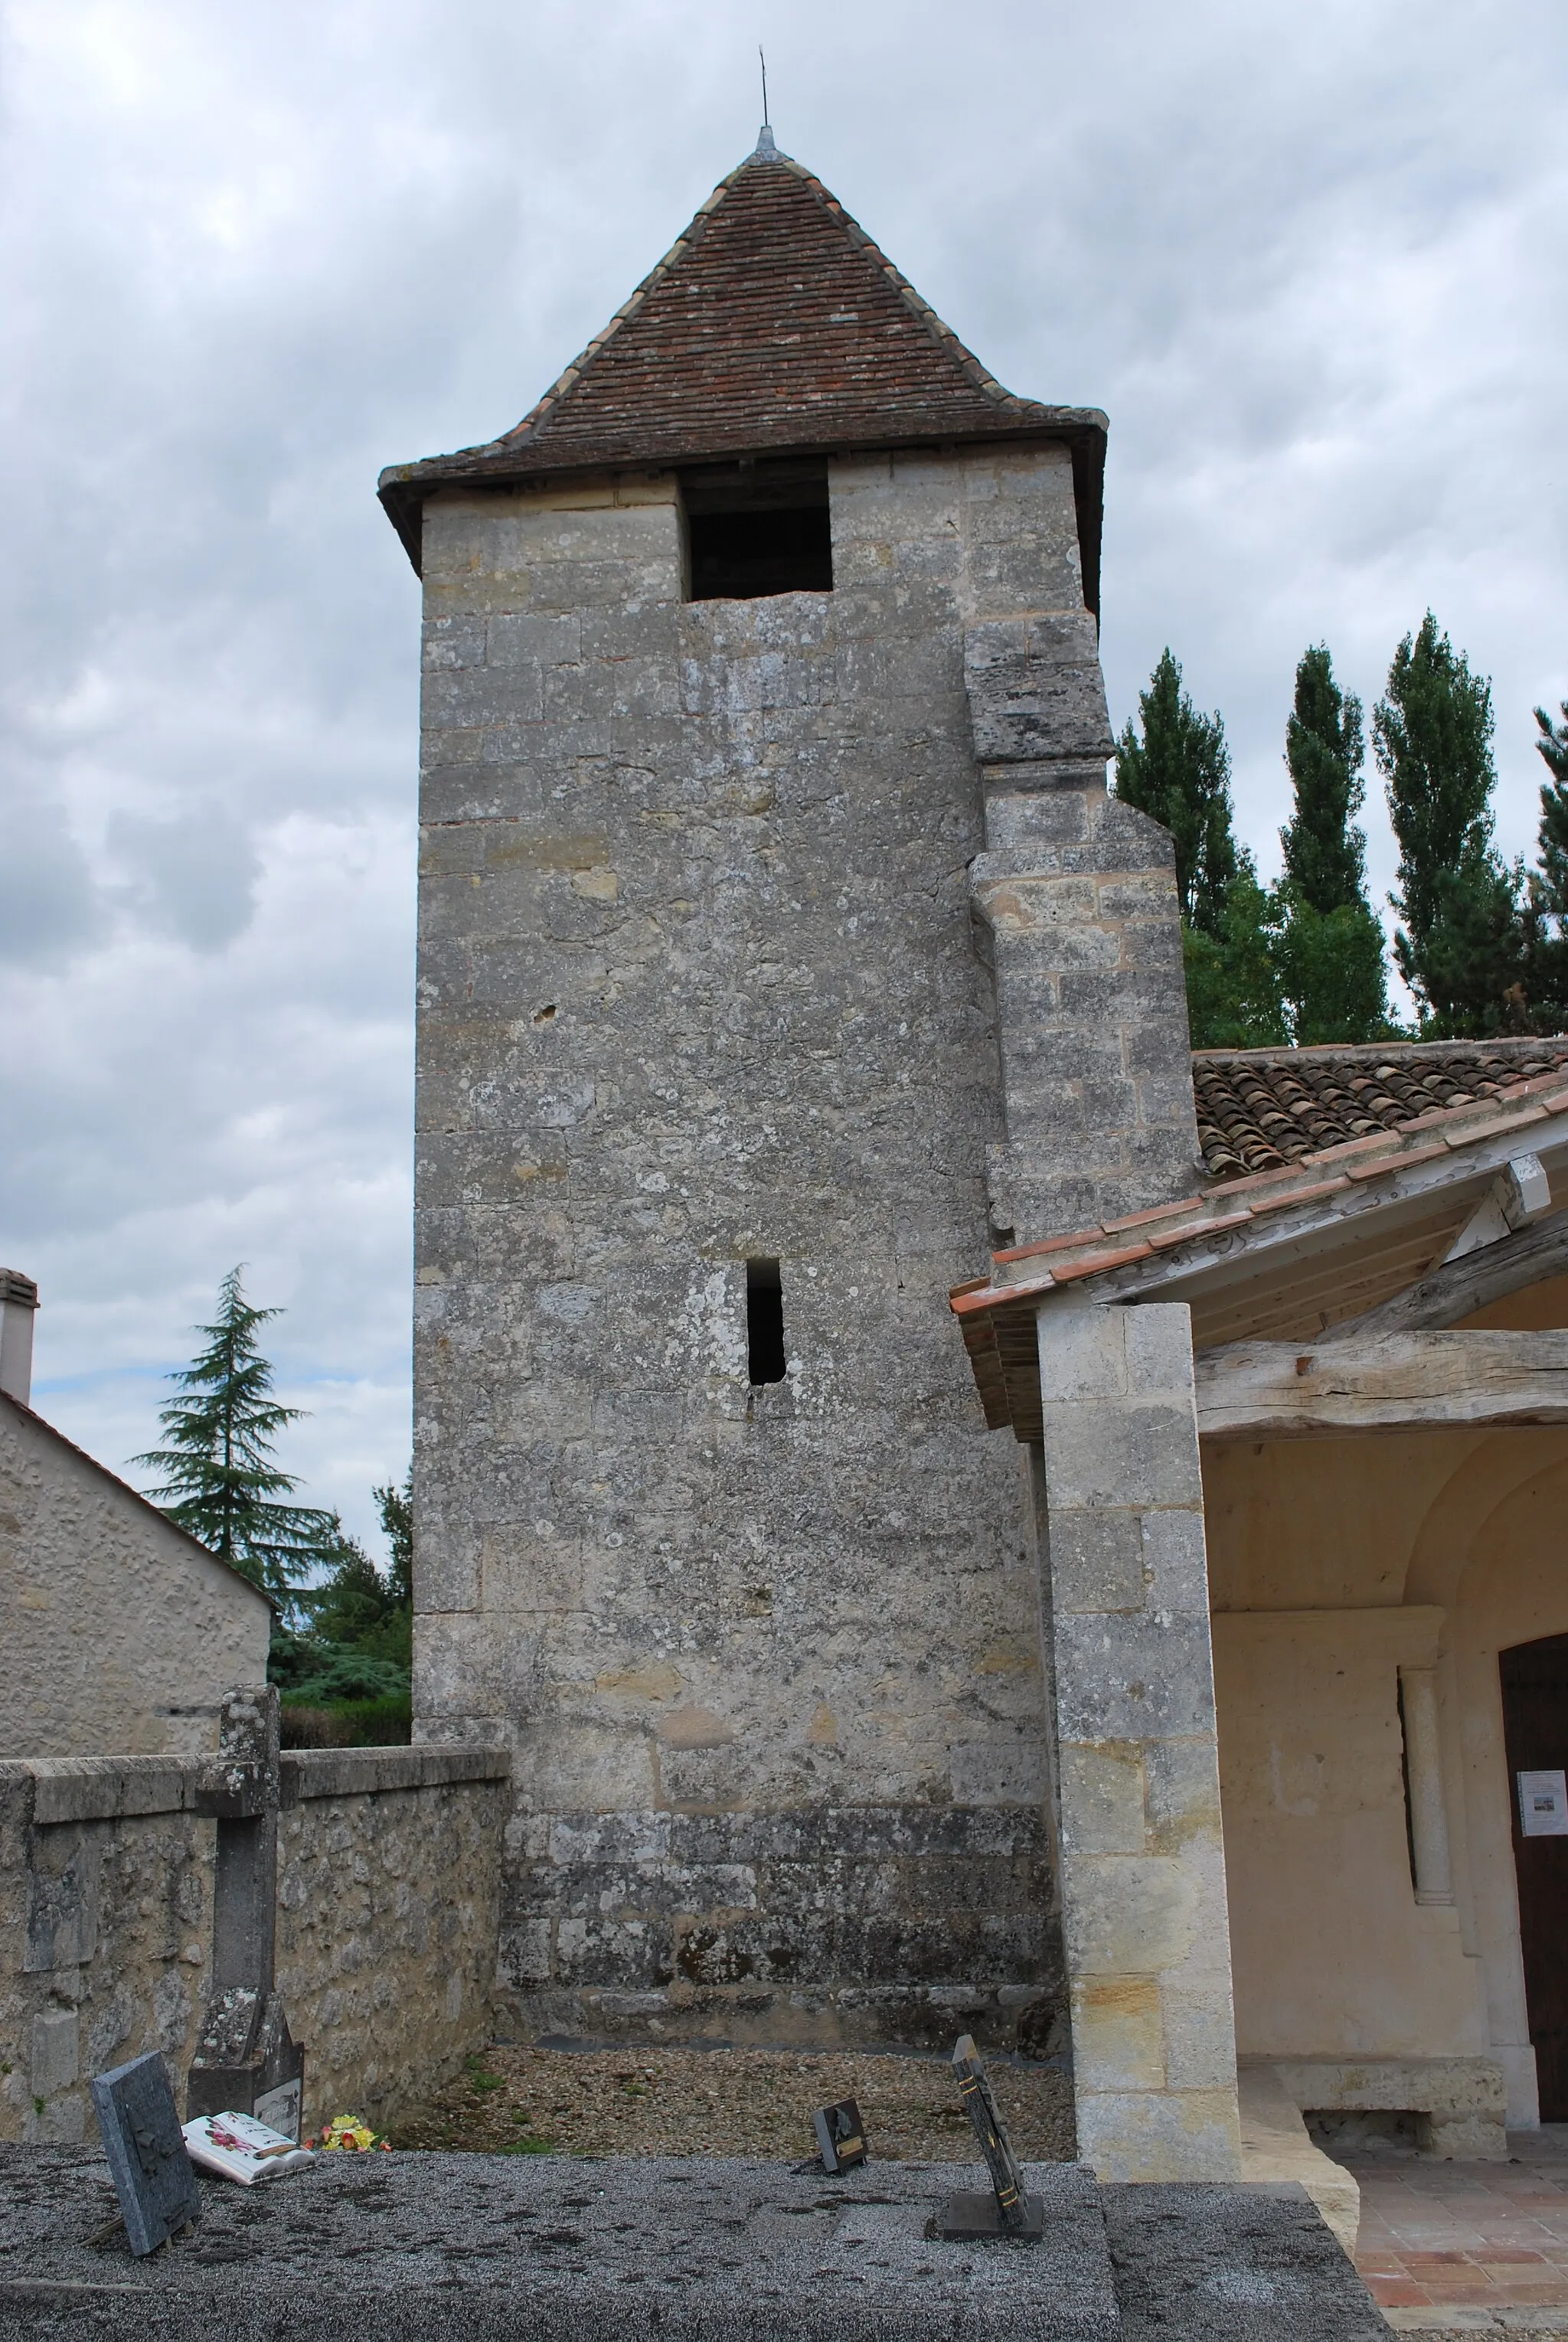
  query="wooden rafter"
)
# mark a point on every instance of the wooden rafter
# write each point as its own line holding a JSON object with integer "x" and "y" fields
{"x": 1459, "y": 1288}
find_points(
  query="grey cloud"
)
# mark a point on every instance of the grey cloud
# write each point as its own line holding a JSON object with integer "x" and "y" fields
{"x": 49, "y": 908}
{"x": 193, "y": 877}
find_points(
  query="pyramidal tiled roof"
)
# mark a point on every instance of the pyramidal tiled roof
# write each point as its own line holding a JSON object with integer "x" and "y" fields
{"x": 773, "y": 327}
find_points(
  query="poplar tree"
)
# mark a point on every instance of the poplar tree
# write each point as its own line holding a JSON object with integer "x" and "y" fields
{"x": 1548, "y": 925}
{"x": 1328, "y": 942}
{"x": 1179, "y": 772}
{"x": 1463, "y": 945}
{"x": 220, "y": 1482}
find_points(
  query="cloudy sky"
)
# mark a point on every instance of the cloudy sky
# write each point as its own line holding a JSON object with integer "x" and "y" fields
{"x": 1312, "y": 261}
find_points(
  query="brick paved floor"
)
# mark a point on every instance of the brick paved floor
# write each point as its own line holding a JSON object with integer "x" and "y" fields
{"x": 1487, "y": 2242}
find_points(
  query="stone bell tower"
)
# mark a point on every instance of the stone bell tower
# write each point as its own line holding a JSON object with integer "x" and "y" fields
{"x": 765, "y": 747}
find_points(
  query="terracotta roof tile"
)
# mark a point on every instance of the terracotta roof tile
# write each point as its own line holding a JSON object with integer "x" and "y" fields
{"x": 773, "y": 326}
{"x": 1464, "y": 1134}
{"x": 1404, "y": 1159}
{"x": 1093, "y": 1265}
{"x": 1260, "y": 1110}
{"x": 1167, "y": 1238}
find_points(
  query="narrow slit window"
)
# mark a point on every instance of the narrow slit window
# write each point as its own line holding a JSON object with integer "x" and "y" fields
{"x": 752, "y": 531}
{"x": 765, "y": 1323}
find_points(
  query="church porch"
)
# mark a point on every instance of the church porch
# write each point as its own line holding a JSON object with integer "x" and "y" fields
{"x": 1375, "y": 1386}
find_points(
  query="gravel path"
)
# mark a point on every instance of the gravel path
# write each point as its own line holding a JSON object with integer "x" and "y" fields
{"x": 642, "y": 2101}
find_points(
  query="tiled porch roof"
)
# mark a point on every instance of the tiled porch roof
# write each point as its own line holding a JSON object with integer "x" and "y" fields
{"x": 995, "y": 1312}
{"x": 1260, "y": 1109}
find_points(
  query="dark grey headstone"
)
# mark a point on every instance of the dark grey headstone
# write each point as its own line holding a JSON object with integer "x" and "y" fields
{"x": 153, "y": 2176}
{"x": 840, "y": 2135}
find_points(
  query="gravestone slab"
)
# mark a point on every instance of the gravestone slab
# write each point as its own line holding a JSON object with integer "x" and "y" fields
{"x": 153, "y": 2175}
{"x": 502, "y": 2248}
{"x": 530, "y": 2248}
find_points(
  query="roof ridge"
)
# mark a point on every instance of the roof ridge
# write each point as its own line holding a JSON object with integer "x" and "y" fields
{"x": 937, "y": 326}
{"x": 628, "y": 309}
{"x": 1316, "y": 1052}
{"x": 30, "y": 1414}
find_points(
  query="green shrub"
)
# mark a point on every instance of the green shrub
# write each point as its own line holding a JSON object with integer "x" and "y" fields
{"x": 382, "y": 1723}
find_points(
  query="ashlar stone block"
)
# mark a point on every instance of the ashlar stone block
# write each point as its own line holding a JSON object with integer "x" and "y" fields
{"x": 1104, "y": 1799}
{"x": 56, "y": 2051}
{"x": 1118, "y": 2034}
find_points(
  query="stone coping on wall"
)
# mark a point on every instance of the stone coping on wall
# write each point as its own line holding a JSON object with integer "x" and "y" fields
{"x": 363, "y": 1772}
{"x": 106, "y": 1788}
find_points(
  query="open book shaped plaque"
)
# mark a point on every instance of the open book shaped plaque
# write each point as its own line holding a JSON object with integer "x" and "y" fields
{"x": 242, "y": 2149}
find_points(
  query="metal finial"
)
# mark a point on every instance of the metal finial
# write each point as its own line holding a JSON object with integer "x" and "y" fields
{"x": 764, "y": 144}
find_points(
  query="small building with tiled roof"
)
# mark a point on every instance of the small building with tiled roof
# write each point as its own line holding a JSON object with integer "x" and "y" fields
{"x": 118, "y": 1633}
{"x": 808, "y": 1139}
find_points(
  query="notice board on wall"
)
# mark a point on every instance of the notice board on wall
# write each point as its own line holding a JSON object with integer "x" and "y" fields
{"x": 1543, "y": 1805}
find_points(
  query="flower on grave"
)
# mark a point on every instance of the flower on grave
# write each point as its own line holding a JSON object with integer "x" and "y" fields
{"x": 349, "y": 2134}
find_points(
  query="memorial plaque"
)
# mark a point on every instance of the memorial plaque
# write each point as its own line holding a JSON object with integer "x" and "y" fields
{"x": 840, "y": 2135}
{"x": 1007, "y": 2211}
{"x": 153, "y": 2176}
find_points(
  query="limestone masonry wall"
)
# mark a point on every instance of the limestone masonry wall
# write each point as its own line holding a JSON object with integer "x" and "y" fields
{"x": 700, "y": 982}
{"x": 121, "y": 1632}
{"x": 389, "y": 1863}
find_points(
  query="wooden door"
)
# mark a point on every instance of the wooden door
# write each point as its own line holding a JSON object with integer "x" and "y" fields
{"x": 1535, "y": 1729}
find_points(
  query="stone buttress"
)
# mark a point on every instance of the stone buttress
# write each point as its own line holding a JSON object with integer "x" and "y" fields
{"x": 1078, "y": 893}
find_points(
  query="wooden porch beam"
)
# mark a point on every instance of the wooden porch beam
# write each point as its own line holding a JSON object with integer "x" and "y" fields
{"x": 1528, "y": 1256}
{"x": 1383, "y": 1382}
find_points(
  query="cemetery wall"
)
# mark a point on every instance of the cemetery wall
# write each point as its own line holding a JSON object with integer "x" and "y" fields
{"x": 388, "y": 1896}
{"x": 389, "y": 1884}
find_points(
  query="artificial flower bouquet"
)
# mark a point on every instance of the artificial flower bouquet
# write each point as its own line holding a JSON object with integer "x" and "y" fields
{"x": 348, "y": 2134}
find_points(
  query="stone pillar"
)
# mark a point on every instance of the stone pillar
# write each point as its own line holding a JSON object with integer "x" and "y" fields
{"x": 1142, "y": 1883}
{"x": 244, "y": 1880}
{"x": 1423, "y": 1781}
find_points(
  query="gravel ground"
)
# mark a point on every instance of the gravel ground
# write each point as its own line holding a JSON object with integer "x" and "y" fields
{"x": 522, "y": 2100}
